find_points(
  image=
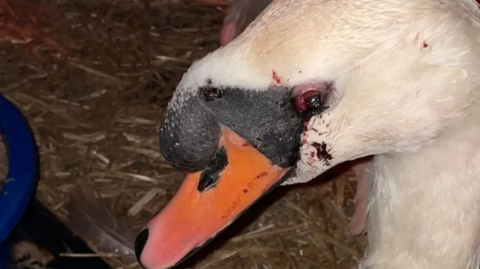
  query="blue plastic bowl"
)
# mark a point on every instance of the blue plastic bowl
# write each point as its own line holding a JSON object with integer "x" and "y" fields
{"x": 21, "y": 180}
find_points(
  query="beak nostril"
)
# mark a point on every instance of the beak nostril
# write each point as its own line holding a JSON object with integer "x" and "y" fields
{"x": 140, "y": 243}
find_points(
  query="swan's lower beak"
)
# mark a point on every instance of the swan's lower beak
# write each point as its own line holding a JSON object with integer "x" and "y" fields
{"x": 207, "y": 202}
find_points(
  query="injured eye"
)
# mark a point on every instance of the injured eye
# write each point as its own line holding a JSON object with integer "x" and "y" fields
{"x": 310, "y": 102}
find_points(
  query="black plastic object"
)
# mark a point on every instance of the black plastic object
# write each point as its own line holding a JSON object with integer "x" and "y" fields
{"x": 41, "y": 227}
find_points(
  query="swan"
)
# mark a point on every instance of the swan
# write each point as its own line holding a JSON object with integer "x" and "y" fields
{"x": 311, "y": 84}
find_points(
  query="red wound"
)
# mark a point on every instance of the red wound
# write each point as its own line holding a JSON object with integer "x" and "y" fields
{"x": 276, "y": 78}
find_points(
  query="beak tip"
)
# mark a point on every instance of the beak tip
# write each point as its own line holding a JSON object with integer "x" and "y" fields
{"x": 140, "y": 243}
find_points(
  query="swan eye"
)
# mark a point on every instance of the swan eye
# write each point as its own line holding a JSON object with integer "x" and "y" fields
{"x": 310, "y": 102}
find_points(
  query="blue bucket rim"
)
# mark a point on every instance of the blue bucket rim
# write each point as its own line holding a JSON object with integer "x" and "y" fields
{"x": 20, "y": 183}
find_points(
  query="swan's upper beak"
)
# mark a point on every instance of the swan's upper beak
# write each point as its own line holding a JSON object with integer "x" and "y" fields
{"x": 237, "y": 148}
{"x": 207, "y": 202}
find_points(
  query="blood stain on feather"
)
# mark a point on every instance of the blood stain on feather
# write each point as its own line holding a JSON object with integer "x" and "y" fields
{"x": 322, "y": 152}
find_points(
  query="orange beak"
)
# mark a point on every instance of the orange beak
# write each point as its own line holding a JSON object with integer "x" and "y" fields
{"x": 207, "y": 202}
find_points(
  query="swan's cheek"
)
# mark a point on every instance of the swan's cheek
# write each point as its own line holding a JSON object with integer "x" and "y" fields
{"x": 328, "y": 140}
{"x": 317, "y": 153}
{"x": 316, "y": 156}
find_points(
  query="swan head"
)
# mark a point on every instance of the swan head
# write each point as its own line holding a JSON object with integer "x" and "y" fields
{"x": 386, "y": 78}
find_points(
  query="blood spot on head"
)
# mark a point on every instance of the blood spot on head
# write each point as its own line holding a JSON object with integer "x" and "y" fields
{"x": 425, "y": 44}
{"x": 276, "y": 78}
{"x": 322, "y": 152}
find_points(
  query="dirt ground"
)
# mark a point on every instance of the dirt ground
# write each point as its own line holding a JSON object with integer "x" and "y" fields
{"x": 93, "y": 78}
